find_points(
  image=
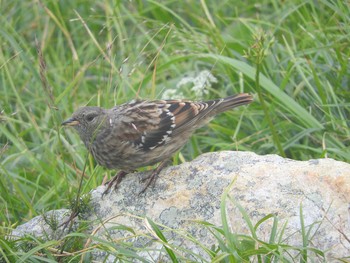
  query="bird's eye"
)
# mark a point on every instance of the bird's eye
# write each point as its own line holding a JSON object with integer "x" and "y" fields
{"x": 90, "y": 117}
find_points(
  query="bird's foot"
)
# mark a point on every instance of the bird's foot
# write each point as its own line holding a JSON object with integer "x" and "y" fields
{"x": 115, "y": 180}
{"x": 153, "y": 177}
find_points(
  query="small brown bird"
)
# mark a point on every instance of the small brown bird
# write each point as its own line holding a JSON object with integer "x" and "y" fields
{"x": 141, "y": 133}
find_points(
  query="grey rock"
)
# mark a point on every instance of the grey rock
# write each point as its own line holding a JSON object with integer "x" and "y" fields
{"x": 45, "y": 227}
{"x": 191, "y": 192}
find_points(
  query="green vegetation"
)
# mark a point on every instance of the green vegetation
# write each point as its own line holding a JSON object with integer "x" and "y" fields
{"x": 58, "y": 55}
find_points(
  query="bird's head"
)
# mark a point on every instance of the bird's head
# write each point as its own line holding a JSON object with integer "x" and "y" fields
{"x": 87, "y": 121}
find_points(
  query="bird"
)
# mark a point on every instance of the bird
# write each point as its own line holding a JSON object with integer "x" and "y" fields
{"x": 144, "y": 132}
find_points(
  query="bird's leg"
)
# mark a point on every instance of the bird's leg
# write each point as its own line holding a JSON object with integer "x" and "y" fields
{"x": 154, "y": 175}
{"x": 115, "y": 180}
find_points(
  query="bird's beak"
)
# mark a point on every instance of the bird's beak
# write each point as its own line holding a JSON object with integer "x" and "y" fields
{"x": 70, "y": 122}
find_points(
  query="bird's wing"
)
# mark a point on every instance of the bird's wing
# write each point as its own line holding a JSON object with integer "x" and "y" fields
{"x": 149, "y": 124}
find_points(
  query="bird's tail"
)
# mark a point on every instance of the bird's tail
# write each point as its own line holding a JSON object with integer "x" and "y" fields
{"x": 191, "y": 115}
{"x": 221, "y": 105}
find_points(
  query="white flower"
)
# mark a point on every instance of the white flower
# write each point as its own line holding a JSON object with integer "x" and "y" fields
{"x": 200, "y": 85}
{"x": 172, "y": 94}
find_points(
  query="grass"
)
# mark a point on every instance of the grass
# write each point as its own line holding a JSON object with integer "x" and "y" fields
{"x": 56, "y": 56}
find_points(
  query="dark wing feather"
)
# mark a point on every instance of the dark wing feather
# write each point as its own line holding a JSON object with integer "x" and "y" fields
{"x": 146, "y": 124}
{"x": 149, "y": 124}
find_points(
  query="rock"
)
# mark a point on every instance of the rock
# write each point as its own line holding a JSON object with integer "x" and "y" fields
{"x": 45, "y": 227}
{"x": 191, "y": 192}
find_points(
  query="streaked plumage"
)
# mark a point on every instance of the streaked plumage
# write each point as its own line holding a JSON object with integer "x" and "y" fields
{"x": 142, "y": 133}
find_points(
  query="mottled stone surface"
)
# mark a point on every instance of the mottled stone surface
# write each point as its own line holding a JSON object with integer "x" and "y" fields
{"x": 45, "y": 227}
{"x": 263, "y": 185}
